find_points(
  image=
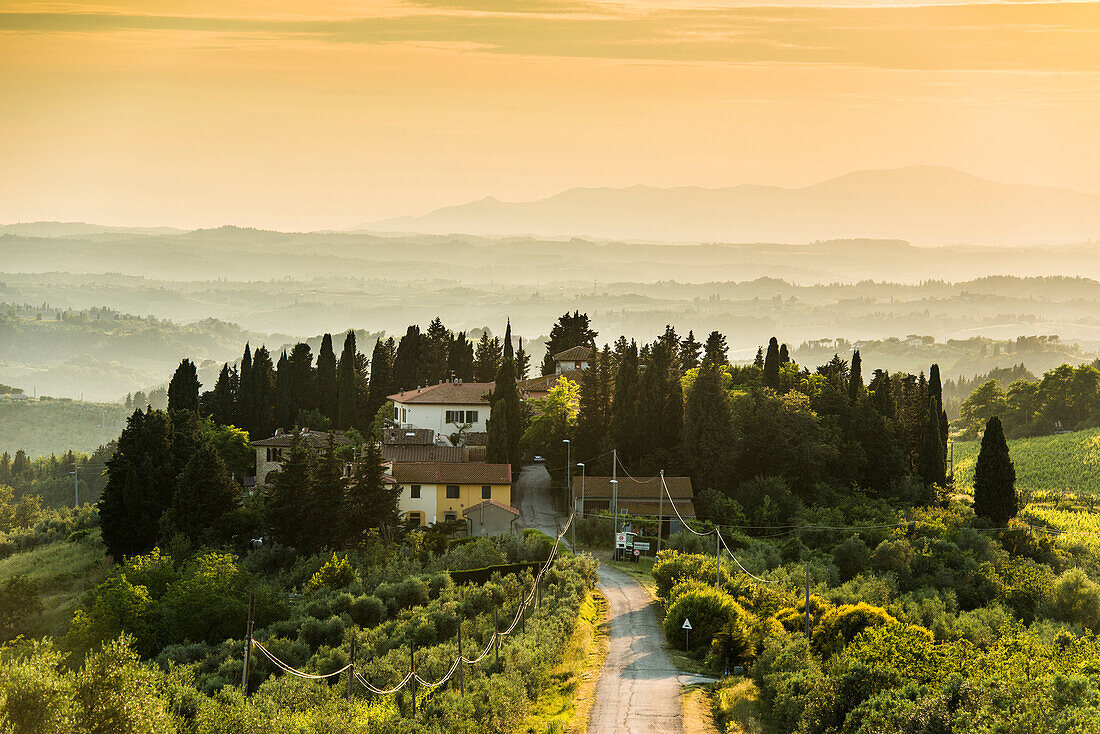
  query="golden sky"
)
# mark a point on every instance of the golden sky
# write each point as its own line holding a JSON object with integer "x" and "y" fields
{"x": 329, "y": 113}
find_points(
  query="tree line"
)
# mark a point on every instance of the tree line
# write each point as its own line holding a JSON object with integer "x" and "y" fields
{"x": 1066, "y": 398}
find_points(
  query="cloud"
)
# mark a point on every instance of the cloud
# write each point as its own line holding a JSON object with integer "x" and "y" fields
{"x": 990, "y": 36}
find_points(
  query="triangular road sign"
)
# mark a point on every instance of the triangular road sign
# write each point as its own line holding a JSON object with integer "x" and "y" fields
{"x": 687, "y": 624}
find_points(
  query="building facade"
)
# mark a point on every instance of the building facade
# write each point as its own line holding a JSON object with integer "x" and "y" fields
{"x": 438, "y": 492}
{"x": 269, "y": 451}
{"x": 444, "y": 408}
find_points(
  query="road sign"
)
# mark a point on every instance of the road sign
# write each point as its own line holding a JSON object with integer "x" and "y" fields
{"x": 637, "y": 552}
{"x": 638, "y": 545}
{"x": 620, "y": 540}
{"x": 686, "y": 625}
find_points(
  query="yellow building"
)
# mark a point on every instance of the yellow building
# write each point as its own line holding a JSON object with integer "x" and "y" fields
{"x": 437, "y": 492}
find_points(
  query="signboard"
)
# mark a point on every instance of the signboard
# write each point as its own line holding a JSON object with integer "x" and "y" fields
{"x": 686, "y": 625}
{"x": 637, "y": 553}
{"x": 620, "y": 540}
{"x": 639, "y": 545}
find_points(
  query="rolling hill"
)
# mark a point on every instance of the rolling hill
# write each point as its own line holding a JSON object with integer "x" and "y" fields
{"x": 924, "y": 205}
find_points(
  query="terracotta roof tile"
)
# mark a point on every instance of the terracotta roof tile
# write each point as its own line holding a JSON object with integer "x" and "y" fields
{"x": 493, "y": 503}
{"x": 312, "y": 439}
{"x": 408, "y": 436}
{"x": 574, "y": 354}
{"x": 447, "y": 393}
{"x": 641, "y": 489}
{"x": 404, "y": 454}
{"x": 452, "y": 473}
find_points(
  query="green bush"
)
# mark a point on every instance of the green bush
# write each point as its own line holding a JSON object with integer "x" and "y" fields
{"x": 337, "y": 573}
{"x": 842, "y": 624}
{"x": 670, "y": 567}
{"x": 709, "y": 610}
{"x": 1075, "y": 598}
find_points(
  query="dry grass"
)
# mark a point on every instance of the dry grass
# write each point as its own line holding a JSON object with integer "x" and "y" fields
{"x": 698, "y": 710}
{"x": 737, "y": 707}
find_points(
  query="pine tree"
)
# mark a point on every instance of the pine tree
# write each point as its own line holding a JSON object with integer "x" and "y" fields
{"x": 183, "y": 390}
{"x": 771, "y": 365}
{"x": 689, "y": 352}
{"x": 487, "y": 357}
{"x": 855, "y": 378}
{"x": 204, "y": 492}
{"x": 715, "y": 349}
{"x": 321, "y": 521}
{"x": 223, "y": 398}
{"x": 347, "y": 394}
{"x": 140, "y": 485}
{"x": 460, "y": 358}
{"x": 369, "y": 503}
{"x": 882, "y": 396}
{"x": 434, "y": 351}
{"x": 570, "y": 330}
{"x": 759, "y": 360}
{"x": 407, "y": 363}
{"x": 660, "y": 407}
{"x": 327, "y": 397}
{"x": 523, "y": 362}
{"x": 708, "y": 430}
{"x": 995, "y": 496}
{"x": 380, "y": 384}
{"x": 288, "y": 493}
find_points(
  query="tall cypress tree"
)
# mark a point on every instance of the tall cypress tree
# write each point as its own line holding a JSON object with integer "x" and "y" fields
{"x": 506, "y": 418}
{"x": 183, "y": 390}
{"x": 263, "y": 392}
{"x": 434, "y": 349}
{"x": 995, "y": 496}
{"x": 327, "y": 398}
{"x": 771, "y": 365}
{"x": 487, "y": 358}
{"x": 882, "y": 395}
{"x": 935, "y": 390}
{"x": 284, "y": 394}
{"x": 245, "y": 410}
{"x": 288, "y": 493}
{"x": 660, "y": 407}
{"x": 594, "y": 417}
{"x": 759, "y": 360}
{"x": 303, "y": 384}
{"x": 784, "y": 355}
{"x": 523, "y": 362}
{"x": 625, "y": 416}
{"x": 855, "y": 378}
{"x": 933, "y": 468}
{"x": 708, "y": 431}
{"x": 381, "y": 378}
{"x": 460, "y": 358}
{"x": 224, "y": 397}
{"x": 369, "y": 503}
{"x": 407, "y": 365}
{"x": 346, "y": 391}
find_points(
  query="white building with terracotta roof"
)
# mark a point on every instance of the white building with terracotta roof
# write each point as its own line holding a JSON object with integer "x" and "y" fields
{"x": 440, "y": 491}
{"x": 574, "y": 358}
{"x": 444, "y": 407}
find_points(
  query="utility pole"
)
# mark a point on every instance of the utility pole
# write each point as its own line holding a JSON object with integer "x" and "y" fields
{"x": 248, "y": 642}
{"x": 76, "y": 485}
{"x": 661, "y": 512}
{"x": 569, "y": 467}
{"x": 717, "y": 557}
{"x": 351, "y": 670}
{"x": 496, "y": 631}
{"x": 807, "y": 599}
{"x": 412, "y": 681}
{"x": 461, "y": 665}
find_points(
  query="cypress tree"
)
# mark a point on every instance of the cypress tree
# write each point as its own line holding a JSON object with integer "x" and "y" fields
{"x": 245, "y": 410}
{"x": 505, "y": 427}
{"x": 882, "y": 396}
{"x": 708, "y": 430}
{"x": 771, "y": 365}
{"x": 935, "y": 390}
{"x": 625, "y": 415}
{"x": 303, "y": 384}
{"x": 523, "y": 362}
{"x": 594, "y": 416}
{"x": 224, "y": 397}
{"x": 288, "y": 493}
{"x": 784, "y": 355}
{"x": 434, "y": 349}
{"x": 284, "y": 395}
{"x": 855, "y": 378}
{"x": 689, "y": 352}
{"x": 995, "y": 496}
{"x": 263, "y": 392}
{"x": 381, "y": 382}
{"x": 320, "y": 520}
{"x": 369, "y": 503}
{"x": 347, "y": 393}
{"x": 204, "y": 492}
{"x": 759, "y": 360}
{"x": 183, "y": 390}
{"x": 660, "y": 406}
{"x": 327, "y": 398}
{"x": 407, "y": 365}
{"x": 460, "y": 358}
{"x": 933, "y": 468}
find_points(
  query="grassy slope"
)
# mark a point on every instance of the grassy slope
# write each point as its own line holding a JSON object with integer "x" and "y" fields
{"x": 56, "y": 425}
{"x": 1049, "y": 467}
{"x": 64, "y": 572}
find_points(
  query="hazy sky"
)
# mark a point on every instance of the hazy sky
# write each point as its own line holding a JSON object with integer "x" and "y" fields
{"x": 330, "y": 113}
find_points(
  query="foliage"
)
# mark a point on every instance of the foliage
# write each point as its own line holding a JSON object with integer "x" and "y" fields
{"x": 337, "y": 573}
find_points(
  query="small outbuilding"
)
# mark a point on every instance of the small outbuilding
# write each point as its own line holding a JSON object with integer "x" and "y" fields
{"x": 490, "y": 518}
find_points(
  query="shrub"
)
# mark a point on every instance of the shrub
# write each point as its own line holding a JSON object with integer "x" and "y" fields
{"x": 1075, "y": 598}
{"x": 337, "y": 573}
{"x": 841, "y": 625}
{"x": 671, "y": 567}
{"x": 851, "y": 557}
{"x": 18, "y": 604}
{"x": 367, "y": 610}
{"x": 709, "y": 610}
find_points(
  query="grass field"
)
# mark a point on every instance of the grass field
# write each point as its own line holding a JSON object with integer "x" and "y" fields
{"x": 63, "y": 572}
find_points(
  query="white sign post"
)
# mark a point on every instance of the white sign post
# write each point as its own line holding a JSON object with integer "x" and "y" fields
{"x": 687, "y": 630}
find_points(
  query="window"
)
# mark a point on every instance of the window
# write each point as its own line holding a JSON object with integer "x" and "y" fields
{"x": 413, "y": 519}
{"x": 451, "y": 416}
{"x": 396, "y": 413}
{"x": 414, "y": 491}
{"x": 458, "y": 417}
{"x": 486, "y": 492}
{"x": 274, "y": 454}
{"x": 452, "y": 491}
{"x": 471, "y": 416}
{"x": 450, "y": 517}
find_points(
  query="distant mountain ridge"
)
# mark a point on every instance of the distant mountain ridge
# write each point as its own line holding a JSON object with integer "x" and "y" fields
{"x": 926, "y": 205}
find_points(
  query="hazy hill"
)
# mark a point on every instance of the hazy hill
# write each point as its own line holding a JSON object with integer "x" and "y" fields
{"x": 922, "y": 204}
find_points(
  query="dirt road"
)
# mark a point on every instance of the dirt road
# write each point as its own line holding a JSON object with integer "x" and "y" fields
{"x": 639, "y": 689}
{"x": 531, "y": 495}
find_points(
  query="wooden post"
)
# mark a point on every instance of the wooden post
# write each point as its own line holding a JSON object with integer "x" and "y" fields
{"x": 718, "y": 557}
{"x": 461, "y": 665}
{"x": 351, "y": 670}
{"x": 496, "y": 631}
{"x": 661, "y": 511}
{"x": 412, "y": 681}
{"x": 248, "y": 642}
{"x": 807, "y": 598}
